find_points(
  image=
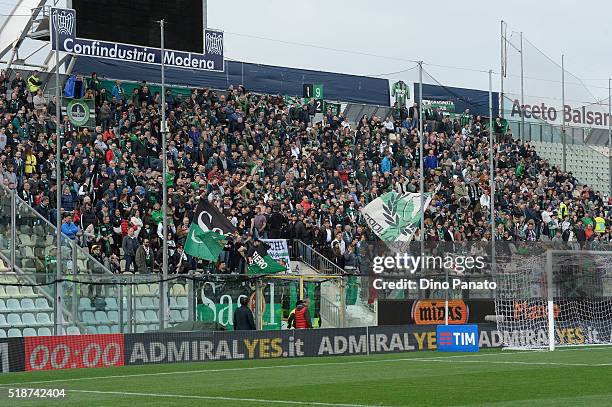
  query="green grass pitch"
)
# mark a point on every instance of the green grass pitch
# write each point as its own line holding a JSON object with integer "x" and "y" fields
{"x": 566, "y": 377}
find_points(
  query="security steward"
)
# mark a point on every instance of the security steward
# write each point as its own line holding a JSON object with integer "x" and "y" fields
{"x": 299, "y": 318}
{"x": 34, "y": 83}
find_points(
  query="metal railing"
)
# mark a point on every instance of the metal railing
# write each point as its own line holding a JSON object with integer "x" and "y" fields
{"x": 303, "y": 252}
{"x": 22, "y": 214}
{"x": 330, "y": 312}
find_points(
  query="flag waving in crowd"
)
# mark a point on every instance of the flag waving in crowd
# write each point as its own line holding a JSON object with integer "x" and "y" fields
{"x": 205, "y": 245}
{"x": 260, "y": 262}
{"x": 208, "y": 218}
{"x": 394, "y": 217}
{"x": 207, "y": 232}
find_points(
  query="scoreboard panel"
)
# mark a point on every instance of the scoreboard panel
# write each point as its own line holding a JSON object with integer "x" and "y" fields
{"x": 134, "y": 22}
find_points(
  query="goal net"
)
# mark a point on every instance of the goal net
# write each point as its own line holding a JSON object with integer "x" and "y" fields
{"x": 557, "y": 298}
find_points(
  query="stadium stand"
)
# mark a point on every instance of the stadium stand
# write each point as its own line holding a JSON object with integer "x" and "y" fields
{"x": 587, "y": 163}
{"x": 274, "y": 172}
{"x": 24, "y": 311}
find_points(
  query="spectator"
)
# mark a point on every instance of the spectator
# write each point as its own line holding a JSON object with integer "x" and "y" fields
{"x": 243, "y": 317}
{"x": 130, "y": 245}
{"x": 273, "y": 173}
{"x": 39, "y": 101}
{"x": 69, "y": 229}
{"x": 144, "y": 257}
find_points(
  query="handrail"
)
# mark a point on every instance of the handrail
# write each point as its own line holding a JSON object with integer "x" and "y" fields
{"x": 72, "y": 318}
{"x": 71, "y": 242}
{"x": 314, "y": 259}
{"x": 330, "y": 312}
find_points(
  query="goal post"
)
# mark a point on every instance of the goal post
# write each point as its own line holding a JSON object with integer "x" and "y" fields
{"x": 550, "y": 300}
{"x": 555, "y": 298}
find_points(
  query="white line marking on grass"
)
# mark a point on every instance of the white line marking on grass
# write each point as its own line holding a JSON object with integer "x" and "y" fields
{"x": 235, "y": 399}
{"x": 518, "y": 362}
{"x": 352, "y": 362}
{"x": 233, "y": 369}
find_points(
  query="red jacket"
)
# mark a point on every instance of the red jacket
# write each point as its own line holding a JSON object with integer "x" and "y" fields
{"x": 302, "y": 318}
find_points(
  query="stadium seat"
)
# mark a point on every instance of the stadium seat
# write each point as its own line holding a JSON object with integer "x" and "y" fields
{"x": 42, "y": 304}
{"x": 111, "y": 303}
{"x": 153, "y": 327}
{"x": 9, "y": 278}
{"x": 173, "y": 303}
{"x": 29, "y": 332}
{"x": 2, "y": 292}
{"x": 14, "y": 333}
{"x": 146, "y": 303}
{"x": 44, "y": 331}
{"x": 43, "y": 319}
{"x": 28, "y": 319}
{"x": 181, "y": 302}
{"x": 114, "y": 329}
{"x": 73, "y": 330}
{"x": 2, "y": 305}
{"x": 142, "y": 290}
{"x": 103, "y": 329}
{"x": 91, "y": 329}
{"x": 178, "y": 290}
{"x": 88, "y": 317}
{"x": 154, "y": 289}
{"x": 28, "y": 292}
{"x": 175, "y": 315}
{"x": 3, "y": 321}
{"x": 13, "y": 320}
{"x": 2, "y": 333}
{"x": 13, "y": 305}
{"x": 185, "y": 315}
{"x": 85, "y": 304}
{"x": 139, "y": 316}
{"x": 151, "y": 316}
{"x": 27, "y": 304}
{"x": 101, "y": 317}
{"x": 13, "y": 292}
{"x": 113, "y": 316}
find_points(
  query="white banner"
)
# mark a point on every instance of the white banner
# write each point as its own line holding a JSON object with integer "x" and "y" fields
{"x": 279, "y": 251}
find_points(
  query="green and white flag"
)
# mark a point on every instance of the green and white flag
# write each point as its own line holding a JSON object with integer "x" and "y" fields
{"x": 394, "y": 217}
{"x": 206, "y": 245}
{"x": 260, "y": 262}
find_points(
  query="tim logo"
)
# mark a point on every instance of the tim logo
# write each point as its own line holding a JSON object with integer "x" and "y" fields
{"x": 63, "y": 21}
{"x": 446, "y": 338}
{"x": 457, "y": 338}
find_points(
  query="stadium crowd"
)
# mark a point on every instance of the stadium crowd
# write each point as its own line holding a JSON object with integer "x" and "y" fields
{"x": 274, "y": 173}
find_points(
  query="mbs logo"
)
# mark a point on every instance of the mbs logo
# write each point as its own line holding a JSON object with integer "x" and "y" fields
{"x": 429, "y": 312}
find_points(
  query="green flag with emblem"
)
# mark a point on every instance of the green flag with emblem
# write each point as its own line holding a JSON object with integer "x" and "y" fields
{"x": 395, "y": 217}
{"x": 206, "y": 245}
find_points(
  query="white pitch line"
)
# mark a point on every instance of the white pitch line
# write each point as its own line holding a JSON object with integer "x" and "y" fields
{"x": 518, "y": 362}
{"x": 352, "y": 362}
{"x": 221, "y": 398}
{"x": 233, "y": 369}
